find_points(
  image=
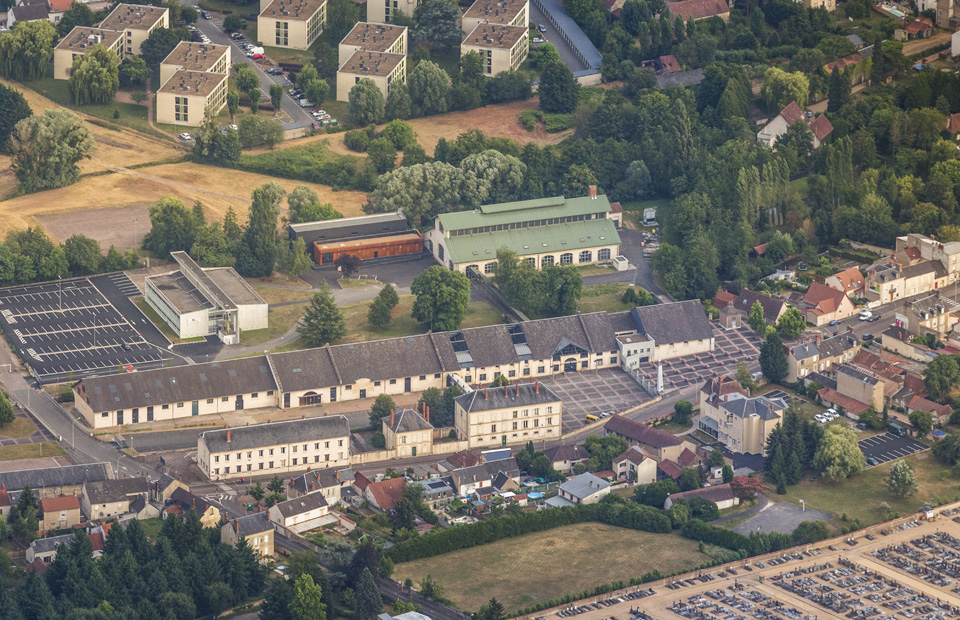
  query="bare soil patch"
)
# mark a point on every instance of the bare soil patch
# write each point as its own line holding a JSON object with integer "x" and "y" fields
{"x": 123, "y": 227}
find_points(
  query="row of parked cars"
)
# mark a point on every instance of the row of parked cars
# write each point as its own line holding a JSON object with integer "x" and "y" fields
{"x": 827, "y": 416}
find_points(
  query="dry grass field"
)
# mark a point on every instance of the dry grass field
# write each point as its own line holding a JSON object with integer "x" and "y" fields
{"x": 90, "y": 205}
{"x": 538, "y": 567}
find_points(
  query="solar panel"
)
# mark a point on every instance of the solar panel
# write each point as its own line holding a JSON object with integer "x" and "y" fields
{"x": 232, "y": 372}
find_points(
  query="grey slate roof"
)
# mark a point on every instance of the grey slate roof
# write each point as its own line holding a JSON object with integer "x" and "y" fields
{"x": 251, "y": 525}
{"x": 315, "y": 480}
{"x": 822, "y": 379}
{"x": 180, "y": 384}
{"x": 484, "y": 471}
{"x": 859, "y": 375}
{"x": 803, "y": 350}
{"x": 641, "y": 433}
{"x": 683, "y": 78}
{"x": 116, "y": 490}
{"x": 682, "y": 321}
{"x": 490, "y": 346}
{"x": 408, "y": 421}
{"x": 837, "y": 345}
{"x": 567, "y": 452}
{"x": 275, "y": 433}
{"x": 45, "y": 545}
{"x": 517, "y": 395}
{"x": 55, "y": 476}
{"x": 584, "y": 485}
{"x": 300, "y": 505}
{"x": 764, "y": 407}
{"x": 31, "y": 12}
{"x": 138, "y": 504}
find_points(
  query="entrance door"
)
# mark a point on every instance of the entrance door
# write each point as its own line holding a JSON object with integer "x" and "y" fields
{"x": 135, "y": 417}
{"x": 286, "y": 400}
{"x": 363, "y": 393}
{"x": 570, "y": 365}
{"x": 503, "y": 440}
{"x": 406, "y": 384}
{"x": 149, "y": 414}
{"x": 119, "y": 418}
{"x": 239, "y": 404}
{"x": 414, "y": 452}
{"x": 196, "y": 407}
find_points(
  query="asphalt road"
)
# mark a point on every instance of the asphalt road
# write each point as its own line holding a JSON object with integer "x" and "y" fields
{"x": 631, "y": 249}
{"x": 553, "y": 37}
{"x": 211, "y": 28}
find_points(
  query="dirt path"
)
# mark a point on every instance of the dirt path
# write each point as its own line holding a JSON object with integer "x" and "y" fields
{"x": 918, "y": 45}
{"x": 124, "y": 97}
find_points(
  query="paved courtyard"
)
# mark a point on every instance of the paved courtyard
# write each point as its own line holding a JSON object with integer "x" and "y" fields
{"x": 780, "y": 517}
{"x": 904, "y": 569}
{"x": 732, "y": 346}
{"x": 596, "y": 392}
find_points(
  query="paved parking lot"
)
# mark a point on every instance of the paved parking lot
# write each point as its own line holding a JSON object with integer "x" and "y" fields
{"x": 780, "y": 517}
{"x": 70, "y": 329}
{"x": 732, "y": 346}
{"x": 890, "y": 447}
{"x": 594, "y": 391}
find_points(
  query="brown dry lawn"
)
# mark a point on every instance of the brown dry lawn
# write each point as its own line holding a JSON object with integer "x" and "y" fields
{"x": 8, "y": 181}
{"x": 217, "y": 188}
{"x": 538, "y": 567}
{"x": 31, "y": 451}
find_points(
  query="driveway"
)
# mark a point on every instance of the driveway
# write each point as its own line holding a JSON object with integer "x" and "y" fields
{"x": 783, "y": 518}
{"x": 212, "y": 28}
{"x": 553, "y": 37}
{"x": 631, "y": 249}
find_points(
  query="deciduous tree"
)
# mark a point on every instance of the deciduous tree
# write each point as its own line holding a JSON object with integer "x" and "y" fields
{"x": 428, "y": 86}
{"x": 78, "y": 14}
{"x": 366, "y": 103}
{"x": 303, "y": 205}
{"x": 435, "y": 21}
{"x": 559, "y": 90}
{"x": 307, "y": 600}
{"x": 83, "y": 255}
{"x": 398, "y": 105}
{"x": 46, "y": 149}
{"x": 158, "y": 45}
{"x": 922, "y": 421}
{"x": 442, "y": 298}
{"x": 902, "y": 482}
{"x": 172, "y": 228}
{"x": 791, "y": 323}
{"x": 839, "y": 456}
{"x": 13, "y": 109}
{"x": 382, "y": 407}
{"x": 6, "y": 409}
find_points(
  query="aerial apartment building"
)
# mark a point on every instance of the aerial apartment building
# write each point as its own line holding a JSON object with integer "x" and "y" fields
{"x": 194, "y": 78}
{"x": 377, "y": 52}
{"x": 501, "y": 47}
{"x": 136, "y": 22}
{"x": 294, "y": 24}
{"x": 78, "y": 42}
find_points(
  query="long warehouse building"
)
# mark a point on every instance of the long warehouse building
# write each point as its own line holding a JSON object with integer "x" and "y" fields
{"x": 520, "y": 351}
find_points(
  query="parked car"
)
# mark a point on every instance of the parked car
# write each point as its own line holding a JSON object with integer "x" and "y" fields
{"x": 865, "y": 315}
{"x": 862, "y": 426}
{"x": 275, "y": 71}
{"x": 834, "y": 322}
{"x": 872, "y": 461}
{"x": 205, "y": 15}
{"x": 258, "y": 56}
{"x": 186, "y": 136}
{"x": 537, "y": 40}
{"x": 541, "y": 28}
{"x": 315, "y": 125}
{"x": 875, "y": 317}
{"x": 867, "y": 337}
{"x": 234, "y": 127}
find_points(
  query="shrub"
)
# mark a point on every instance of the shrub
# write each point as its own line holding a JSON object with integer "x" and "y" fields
{"x": 357, "y": 140}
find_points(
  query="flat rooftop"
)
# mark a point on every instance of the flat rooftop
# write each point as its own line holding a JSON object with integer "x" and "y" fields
{"x": 294, "y": 10}
{"x": 347, "y": 222}
{"x": 496, "y": 11}
{"x": 374, "y": 37}
{"x": 371, "y": 64}
{"x": 133, "y": 17}
{"x": 82, "y": 39}
{"x": 235, "y": 287}
{"x": 195, "y": 83}
{"x": 495, "y": 36}
{"x": 191, "y": 56}
{"x": 180, "y": 292}
{"x": 361, "y": 243}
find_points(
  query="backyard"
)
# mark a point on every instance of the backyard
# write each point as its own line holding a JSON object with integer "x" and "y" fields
{"x": 538, "y": 567}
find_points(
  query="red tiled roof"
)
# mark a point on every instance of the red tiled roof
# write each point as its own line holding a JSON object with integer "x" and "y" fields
{"x": 843, "y": 63}
{"x": 723, "y": 299}
{"x": 834, "y": 397}
{"x": 920, "y": 25}
{"x": 761, "y": 249}
{"x": 718, "y": 386}
{"x": 697, "y": 9}
{"x": 361, "y": 482}
{"x": 641, "y": 433}
{"x": 464, "y": 458}
{"x": 4, "y": 496}
{"x": 915, "y": 384}
{"x": 792, "y": 113}
{"x": 59, "y": 6}
{"x": 519, "y": 497}
{"x": 919, "y": 403}
{"x": 606, "y": 475}
{"x": 634, "y": 454}
{"x": 616, "y": 207}
{"x": 953, "y": 123}
{"x": 387, "y": 492}
{"x": 96, "y": 541}
{"x": 821, "y": 127}
{"x": 670, "y": 64}
{"x": 824, "y": 298}
{"x": 686, "y": 458}
{"x": 670, "y": 468}
{"x": 38, "y": 566}
{"x": 851, "y": 280}
{"x": 53, "y": 504}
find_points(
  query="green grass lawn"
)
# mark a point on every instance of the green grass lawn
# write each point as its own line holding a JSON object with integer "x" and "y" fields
{"x": 20, "y": 427}
{"x": 604, "y": 297}
{"x": 808, "y": 408}
{"x": 860, "y": 497}
{"x": 535, "y": 568}
{"x": 130, "y": 115}
{"x": 479, "y": 314}
{"x": 151, "y": 527}
{"x": 281, "y": 319}
{"x": 31, "y": 451}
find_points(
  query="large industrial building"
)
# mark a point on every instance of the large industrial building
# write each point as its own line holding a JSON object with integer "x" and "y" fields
{"x": 545, "y": 231}
{"x": 520, "y": 352}
{"x": 197, "y": 302}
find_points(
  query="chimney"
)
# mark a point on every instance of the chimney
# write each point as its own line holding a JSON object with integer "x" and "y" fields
{"x": 313, "y": 486}
{"x": 228, "y": 435}
{"x": 484, "y": 393}
{"x": 592, "y": 192}
{"x": 518, "y": 389}
{"x": 236, "y": 526}
{"x": 537, "y": 388}
{"x": 428, "y": 412}
{"x": 392, "y": 413}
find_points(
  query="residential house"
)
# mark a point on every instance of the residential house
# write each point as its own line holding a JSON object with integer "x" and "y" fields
{"x": 698, "y": 9}
{"x": 773, "y": 308}
{"x": 325, "y": 481}
{"x": 825, "y": 304}
{"x": 275, "y": 448}
{"x": 112, "y": 498}
{"x": 384, "y": 69}
{"x": 721, "y": 495}
{"x": 820, "y": 355}
{"x": 301, "y": 514}
{"x": 636, "y": 466}
{"x": 186, "y": 501}
{"x": 55, "y": 481}
{"x": 45, "y": 549}
{"x": 164, "y": 488}
{"x": 899, "y": 340}
{"x": 855, "y": 66}
{"x": 888, "y": 281}
{"x": 850, "y": 281}
{"x": 791, "y": 115}
{"x": 467, "y": 480}
{"x": 668, "y": 469}
{"x": 255, "y": 529}
{"x": 508, "y": 415}
{"x": 459, "y": 460}
{"x": 28, "y": 12}
{"x": 941, "y": 413}
{"x": 919, "y": 28}
{"x": 660, "y": 445}
{"x": 933, "y": 314}
{"x": 408, "y": 433}
{"x": 583, "y": 489}
{"x": 385, "y": 495}
{"x": 502, "y": 47}
{"x": 59, "y": 513}
{"x": 857, "y": 390}
{"x": 293, "y": 24}
{"x": 437, "y": 492}
{"x": 830, "y": 5}
{"x": 565, "y": 456}
{"x": 741, "y": 423}
{"x": 502, "y": 12}
{"x": 185, "y": 98}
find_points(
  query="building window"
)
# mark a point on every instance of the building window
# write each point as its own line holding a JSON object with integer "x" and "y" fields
{"x": 209, "y": 401}
{"x": 483, "y": 377}
{"x": 603, "y": 254}
{"x": 282, "y": 33}
{"x": 489, "y": 268}
{"x": 566, "y": 257}
{"x": 440, "y": 251}
{"x": 224, "y": 399}
{"x": 546, "y": 260}
{"x": 181, "y": 110}
{"x": 513, "y": 373}
{"x": 586, "y": 256}
{"x": 255, "y": 395}
{"x": 541, "y": 369}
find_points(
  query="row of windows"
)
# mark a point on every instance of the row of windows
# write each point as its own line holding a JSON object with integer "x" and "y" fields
{"x": 503, "y": 438}
{"x": 536, "y": 424}
{"x": 238, "y": 469}
{"x": 566, "y": 258}
{"x": 282, "y": 33}
{"x": 181, "y": 109}
{"x": 540, "y": 370}
{"x": 283, "y": 450}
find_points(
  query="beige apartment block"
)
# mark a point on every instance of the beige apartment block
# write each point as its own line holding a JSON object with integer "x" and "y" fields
{"x": 491, "y": 417}
{"x": 184, "y": 98}
{"x": 409, "y": 433}
{"x": 380, "y": 11}
{"x": 503, "y": 48}
{"x": 382, "y": 68}
{"x": 274, "y": 448}
{"x": 294, "y": 24}
{"x": 78, "y": 42}
{"x": 502, "y": 12}
{"x": 373, "y": 37}
{"x": 190, "y": 56}
{"x": 136, "y": 22}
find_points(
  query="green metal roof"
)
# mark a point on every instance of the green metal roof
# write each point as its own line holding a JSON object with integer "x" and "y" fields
{"x": 524, "y": 211}
{"x": 569, "y": 237}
